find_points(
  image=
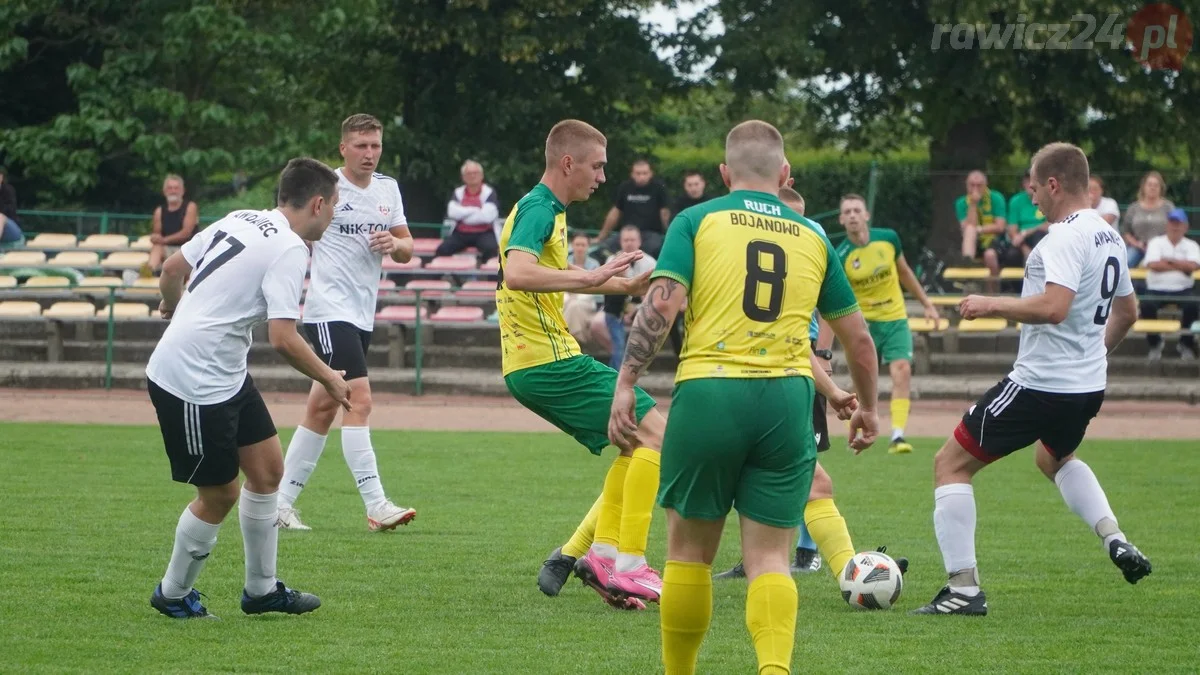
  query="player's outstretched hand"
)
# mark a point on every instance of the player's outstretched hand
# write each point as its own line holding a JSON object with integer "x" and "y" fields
{"x": 338, "y": 389}
{"x": 975, "y": 306}
{"x": 619, "y": 263}
{"x": 844, "y": 404}
{"x": 622, "y": 421}
{"x": 640, "y": 284}
{"x": 864, "y": 428}
{"x": 383, "y": 242}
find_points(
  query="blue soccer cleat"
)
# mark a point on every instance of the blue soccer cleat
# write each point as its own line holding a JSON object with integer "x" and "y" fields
{"x": 187, "y": 607}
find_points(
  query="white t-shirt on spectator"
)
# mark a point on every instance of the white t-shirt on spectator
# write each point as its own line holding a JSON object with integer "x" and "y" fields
{"x": 1108, "y": 207}
{"x": 1161, "y": 248}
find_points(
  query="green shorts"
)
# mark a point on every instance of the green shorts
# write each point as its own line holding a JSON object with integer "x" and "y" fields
{"x": 893, "y": 340}
{"x": 740, "y": 443}
{"x": 575, "y": 395}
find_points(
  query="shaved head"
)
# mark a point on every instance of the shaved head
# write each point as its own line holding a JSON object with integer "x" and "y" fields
{"x": 754, "y": 151}
{"x": 572, "y": 137}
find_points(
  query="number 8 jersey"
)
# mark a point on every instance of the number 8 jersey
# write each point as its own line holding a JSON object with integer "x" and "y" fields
{"x": 1085, "y": 254}
{"x": 755, "y": 271}
{"x": 247, "y": 268}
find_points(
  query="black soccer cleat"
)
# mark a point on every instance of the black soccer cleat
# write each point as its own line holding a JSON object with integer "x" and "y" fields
{"x": 902, "y": 563}
{"x": 807, "y": 561}
{"x": 1131, "y": 562}
{"x": 282, "y": 599}
{"x": 555, "y": 571}
{"x": 948, "y": 601}
{"x": 735, "y": 572}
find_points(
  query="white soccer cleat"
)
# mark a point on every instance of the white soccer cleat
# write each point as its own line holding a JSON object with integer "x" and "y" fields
{"x": 388, "y": 516}
{"x": 289, "y": 519}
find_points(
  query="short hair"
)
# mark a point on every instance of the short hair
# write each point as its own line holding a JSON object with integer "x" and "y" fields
{"x": 174, "y": 176}
{"x": 360, "y": 122}
{"x": 302, "y": 179}
{"x": 1098, "y": 179}
{"x": 754, "y": 148}
{"x": 850, "y": 196}
{"x": 469, "y": 163}
{"x": 566, "y": 137}
{"x": 639, "y": 161}
{"x": 693, "y": 172}
{"x": 1065, "y": 162}
{"x": 633, "y": 228}
{"x": 787, "y": 194}
{"x": 580, "y": 233}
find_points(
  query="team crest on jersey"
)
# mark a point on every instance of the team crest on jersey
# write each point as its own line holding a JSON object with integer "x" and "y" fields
{"x": 384, "y": 209}
{"x": 855, "y": 263}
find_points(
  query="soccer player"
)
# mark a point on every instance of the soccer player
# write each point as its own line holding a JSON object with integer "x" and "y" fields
{"x": 1076, "y": 306}
{"x": 740, "y": 433}
{"x": 246, "y": 269}
{"x": 874, "y": 262}
{"x": 545, "y": 370}
{"x": 832, "y": 535}
{"x": 339, "y": 315}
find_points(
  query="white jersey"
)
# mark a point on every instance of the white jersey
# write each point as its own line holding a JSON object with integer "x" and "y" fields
{"x": 1082, "y": 253}
{"x": 247, "y": 268}
{"x": 345, "y": 272}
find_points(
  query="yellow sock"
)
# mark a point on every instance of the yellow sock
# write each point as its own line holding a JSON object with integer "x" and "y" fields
{"x": 684, "y": 612}
{"x": 900, "y": 414}
{"x": 827, "y": 527}
{"x": 581, "y": 541}
{"x": 641, "y": 487}
{"x": 608, "y": 521}
{"x": 771, "y": 603}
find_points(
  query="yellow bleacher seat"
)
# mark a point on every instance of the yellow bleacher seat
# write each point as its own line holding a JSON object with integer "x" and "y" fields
{"x": 1012, "y": 273}
{"x": 8, "y": 282}
{"x": 142, "y": 243}
{"x": 76, "y": 258}
{"x": 19, "y": 308}
{"x": 148, "y": 286}
{"x": 963, "y": 273}
{"x": 105, "y": 241}
{"x": 20, "y": 258}
{"x": 52, "y": 240}
{"x": 1156, "y": 326}
{"x": 982, "y": 325}
{"x": 1138, "y": 273}
{"x": 126, "y": 259}
{"x": 70, "y": 310}
{"x": 946, "y": 300}
{"x": 101, "y": 282}
{"x": 125, "y": 310}
{"x": 47, "y": 282}
{"x": 923, "y": 325}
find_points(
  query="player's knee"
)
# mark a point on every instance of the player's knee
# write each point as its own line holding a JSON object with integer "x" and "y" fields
{"x": 900, "y": 369}
{"x": 822, "y": 485}
{"x": 218, "y": 500}
{"x": 1048, "y": 463}
{"x": 990, "y": 258}
{"x": 361, "y": 402}
{"x": 651, "y": 430}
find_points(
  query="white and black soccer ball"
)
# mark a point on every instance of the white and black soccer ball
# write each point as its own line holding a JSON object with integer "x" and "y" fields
{"x": 871, "y": 580}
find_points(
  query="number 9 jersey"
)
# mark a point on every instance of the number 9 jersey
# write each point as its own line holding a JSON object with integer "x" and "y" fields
{"x": 755, "y": 271}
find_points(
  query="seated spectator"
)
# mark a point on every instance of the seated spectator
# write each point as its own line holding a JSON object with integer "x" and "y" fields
{"x": 693, "y": 192}
{"x": 11, "y": 235}
{"x": 1146, "y": 218}
{"x": 1172, "y": 258}
{"x": 579, "y": 309}
{"x": 982, "y": 216}
{"x": 1026, "y": 222}
{"x": 641, "y": 201}
{"x": 619, "y": 309}
{"x": 474, "y": 208}
{"x": 1105, "y": 206}
{"x": 175, "y": 222}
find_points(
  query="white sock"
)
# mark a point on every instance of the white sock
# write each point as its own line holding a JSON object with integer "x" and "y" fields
{"x": 628, "y": 562}
{"x": 194, "y": 540}
{"x": 302, "y": 454}
{"x": 897, "y": 432}
{"x": 1084, "y": 496}
{"x": 360, "y": 457}
{"x": 257, "y": 514}
{"x": 954, "y": 524}
{"x": 605, "y": 550}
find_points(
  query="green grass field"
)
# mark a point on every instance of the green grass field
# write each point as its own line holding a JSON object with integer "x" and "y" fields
{"x": 87, "y": 516}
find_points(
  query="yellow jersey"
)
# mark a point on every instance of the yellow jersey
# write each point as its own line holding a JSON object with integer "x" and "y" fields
{"x": 872, "y": 271}
{"x": 533, "y": 331}
{"x": 755, "y": 272}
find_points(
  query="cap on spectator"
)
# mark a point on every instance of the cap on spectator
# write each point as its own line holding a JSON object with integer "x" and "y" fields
{"x": 1178, "y": 215}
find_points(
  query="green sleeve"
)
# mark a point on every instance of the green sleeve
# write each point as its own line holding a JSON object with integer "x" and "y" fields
{"x": 1014, "y": 209}
{"x": 960, "y": 207}
{"x": 999, "y": 206}
{"x": 837, "y": 298}
{"x": 893, "y": 238}
{"x": 532, "y": 226}
{"x": 678, "y": 256}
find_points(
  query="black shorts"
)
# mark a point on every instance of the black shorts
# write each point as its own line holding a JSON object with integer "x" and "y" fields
{"x": 820, "y": 422}
{"x": 202, "y": 441}
{"x": 1010, "y": 417}
{"x": 341, "y": 345}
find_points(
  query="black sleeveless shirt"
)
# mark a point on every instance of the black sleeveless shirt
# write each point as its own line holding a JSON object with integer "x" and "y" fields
{"x": 172, "y": 221}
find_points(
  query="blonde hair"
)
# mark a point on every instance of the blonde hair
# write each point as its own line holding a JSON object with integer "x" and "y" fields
{"x": 754, "y": 148}
{"x": 789, "y": 196}
{"x": 568, "y": 138}
{"x": 360, "y": 122}
{"x": 1063, "y": 161}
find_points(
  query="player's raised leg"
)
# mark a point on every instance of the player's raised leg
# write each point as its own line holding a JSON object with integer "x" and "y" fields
{"x": 634, "y": 576}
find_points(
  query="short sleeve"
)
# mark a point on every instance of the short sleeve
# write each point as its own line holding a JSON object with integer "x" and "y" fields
{"x": 531, "y": 227}
{"x": 960, "y": 208}
{"x": 398, "y": 217}
{"x": 1063, "y": 257}
{"x": 837, "y": 298}
{"x": 1124, "y": 283}
{"x": 193, "y": 250}
{"x": 891, "y": 237}
{"x": 1154, "y": 250}
{"x": 677, "y": 260}
{"x": 999, "y": 206}
{"x": 619, "y": 197}
{"x": 1193, "y": 251}
{"x": 1014, "y": 209}
{"x": 283, "y": 282}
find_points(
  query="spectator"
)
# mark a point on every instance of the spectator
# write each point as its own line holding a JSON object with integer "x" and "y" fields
{"x": 1172, "y": 259}
{"x": 982, "y": 217}
{"x": 1105, "y": 206}
{"x": 1026, "y": 222}
{"x": 618, "y": 310}
{"x": 641, "y": 201}
{"x": 474, "y": 208}
{"x": 693, "y": 192}
{"x": 240, "y": 182}
{"x": 11, "y": 235}
{"x": 579, "y": 309}
{"x": 175, "y": 222}
{"x": 1146, "y": 218}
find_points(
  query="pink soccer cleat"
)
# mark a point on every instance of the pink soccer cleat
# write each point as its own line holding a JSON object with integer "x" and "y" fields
{"x": 642, "y": 584}
{"x": 597, "y": 572}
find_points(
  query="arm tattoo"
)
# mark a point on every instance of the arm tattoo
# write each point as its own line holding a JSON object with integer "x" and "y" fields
{"x": 649, "y": 330}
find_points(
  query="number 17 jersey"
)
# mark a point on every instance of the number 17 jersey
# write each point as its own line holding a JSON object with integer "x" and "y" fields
{"x": 755, "y": 271}
{"x": 1083, "y": 254}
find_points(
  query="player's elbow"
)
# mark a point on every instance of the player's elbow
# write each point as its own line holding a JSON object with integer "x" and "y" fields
{"x": 280, "y": 333}
{"x": 516, "y": 278}
{"x": 1056, "y": 314}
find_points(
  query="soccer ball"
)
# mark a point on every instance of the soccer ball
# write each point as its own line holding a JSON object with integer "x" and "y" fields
{"x": 871, "y": 580}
